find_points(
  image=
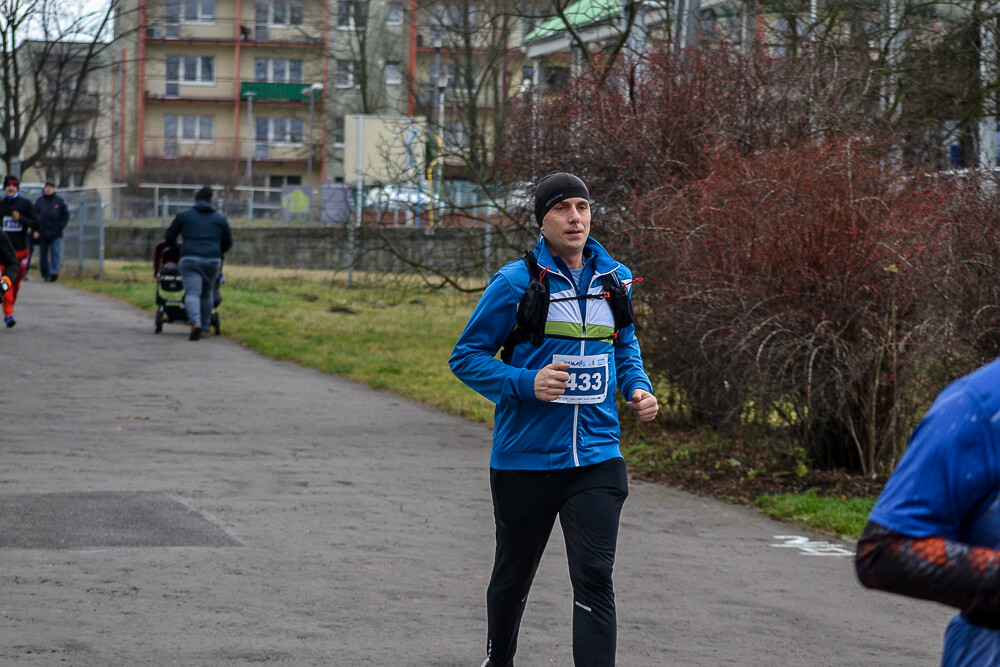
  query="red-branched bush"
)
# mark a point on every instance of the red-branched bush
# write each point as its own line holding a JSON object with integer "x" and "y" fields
{"x": 794, "y": 286}
{"x": 795, "y": 276}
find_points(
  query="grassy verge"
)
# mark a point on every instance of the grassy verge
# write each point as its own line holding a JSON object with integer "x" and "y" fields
{"x": 842, "y": 517}
{"x": 391, "y": 334}
{"x": 395, "y": 334}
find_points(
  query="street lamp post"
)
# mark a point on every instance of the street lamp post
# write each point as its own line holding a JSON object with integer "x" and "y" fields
{"x": 439, "y": 85}
{"x": 312, "y": 90}
{"x": 250, "y": 148}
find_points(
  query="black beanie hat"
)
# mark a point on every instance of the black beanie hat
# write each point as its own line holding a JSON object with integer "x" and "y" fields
{"x": 555, "y": 188}
{"x": 205, "y": 194}
{"x": 10, "y": 178}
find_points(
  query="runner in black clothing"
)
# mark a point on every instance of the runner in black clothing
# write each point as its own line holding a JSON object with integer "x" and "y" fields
{"x": 19, "y": 220}
{"x": 8, "y": 263}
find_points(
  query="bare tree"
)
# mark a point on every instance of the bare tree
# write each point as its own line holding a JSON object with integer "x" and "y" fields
{"x": 366, "y": 53}
{"x": 51, "y": 50}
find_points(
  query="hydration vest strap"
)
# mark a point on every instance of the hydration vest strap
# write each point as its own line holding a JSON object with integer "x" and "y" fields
{"x": 533, "y": 309}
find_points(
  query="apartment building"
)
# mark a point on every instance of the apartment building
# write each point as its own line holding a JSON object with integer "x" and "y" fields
{"x": 70, "y": 133}
{"x": 220, "y": 91}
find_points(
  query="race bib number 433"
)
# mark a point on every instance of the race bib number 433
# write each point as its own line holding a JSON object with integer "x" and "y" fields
{"x": 588, "y": 378}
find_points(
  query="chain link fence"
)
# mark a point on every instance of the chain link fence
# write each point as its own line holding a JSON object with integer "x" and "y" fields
{"x": 83, "y": 239}
{"x": 456, "y": 220}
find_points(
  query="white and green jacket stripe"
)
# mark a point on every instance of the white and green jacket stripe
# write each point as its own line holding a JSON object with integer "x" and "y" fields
{"x": 530, "y": 434}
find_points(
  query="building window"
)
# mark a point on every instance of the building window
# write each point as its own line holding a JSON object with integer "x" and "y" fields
{"x": 786, "y": 31}
{"x": 75, "y": 134}
{"x": 191, "y": 69}
{"x": 456, "y": 136}
{"x": 394, "y": 13}
{"x": 188, "y": 127}
{"x": 706, "y": 25}
{"x": 393, "y": 72}
{"x": 454, "y": 16}
{"x": 280, "y": 130}
{"x": 338, "y": 131}
{"x": 278, "y": 12}
{"x": 199, "y": 10}
{"x": 352, "y": 14}
{"x": 345, "y": 74}
{"x": 277, "y": 70}
{"x": 451, "y": 78}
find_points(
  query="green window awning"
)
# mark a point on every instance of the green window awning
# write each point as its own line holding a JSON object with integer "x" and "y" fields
{"x": 275, "y": 91}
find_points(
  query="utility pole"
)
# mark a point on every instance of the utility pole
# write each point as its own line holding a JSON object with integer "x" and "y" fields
{"x": 988, "y": 78}
{"x": 439, "y": 148}
{"x": 250, "y": 149}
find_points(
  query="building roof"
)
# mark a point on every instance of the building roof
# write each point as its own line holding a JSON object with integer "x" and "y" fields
{"x": 580, "y": 13}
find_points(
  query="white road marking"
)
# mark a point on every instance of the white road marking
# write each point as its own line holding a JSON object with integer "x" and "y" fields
{"x": 811, "y": 547}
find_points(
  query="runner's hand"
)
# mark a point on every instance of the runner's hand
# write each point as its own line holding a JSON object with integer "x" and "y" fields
{"x": 644, "y": 405}
{"x": 16, "y": 215}
{"x": 550, "y": 381}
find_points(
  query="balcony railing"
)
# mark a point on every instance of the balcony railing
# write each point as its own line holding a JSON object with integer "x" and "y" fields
{"x": 223, "y": 148}
{"x": 308, "y": 32}
{"x": 76, "y": 151}
{"x": 86, "y": 103}
{"x": 159, "y": 87}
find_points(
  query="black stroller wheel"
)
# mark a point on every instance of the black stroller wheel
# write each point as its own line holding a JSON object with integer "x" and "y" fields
{"x": 159, "y": 320}
{"x": 215, "y": 323}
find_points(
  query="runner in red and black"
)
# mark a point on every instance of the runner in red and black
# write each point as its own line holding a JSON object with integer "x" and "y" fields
{"x": 9, "y": 269}
{"x": 19, "y": 220}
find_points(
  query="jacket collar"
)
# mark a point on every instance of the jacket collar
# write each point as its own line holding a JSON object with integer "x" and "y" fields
{"x": 593, "y": 252}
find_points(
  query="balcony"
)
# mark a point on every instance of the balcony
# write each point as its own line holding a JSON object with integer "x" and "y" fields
{"x": 80, "y": 150}
{"x": 280, "y": 92}
{"x": 221, "y": 89}
{"x": 86, "y": 103}
{"x": 307, "y": 33}
{"x": 224, "y": 148}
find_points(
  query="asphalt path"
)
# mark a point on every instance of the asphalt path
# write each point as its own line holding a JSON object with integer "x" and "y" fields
{"x": 168, "y": 502}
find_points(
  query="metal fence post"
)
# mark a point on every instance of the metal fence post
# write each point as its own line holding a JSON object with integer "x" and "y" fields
{"x": 83, "y": 229}
{"x": 166, "y": 211}
{"x": 100, "y": 241}
{"x": 487, "y": 250}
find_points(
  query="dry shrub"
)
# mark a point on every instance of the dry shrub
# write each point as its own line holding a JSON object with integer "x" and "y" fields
{"x": 796, "y": 276}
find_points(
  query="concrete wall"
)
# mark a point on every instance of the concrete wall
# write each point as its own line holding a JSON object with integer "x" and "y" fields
{"x": 463, "y": 252}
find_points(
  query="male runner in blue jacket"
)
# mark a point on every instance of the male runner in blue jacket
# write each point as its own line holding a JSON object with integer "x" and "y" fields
{"x": 556, "y": 430}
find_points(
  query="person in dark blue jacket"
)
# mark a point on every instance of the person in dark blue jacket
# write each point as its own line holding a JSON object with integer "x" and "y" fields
{"x": 53, "y": 215}
{"x": 556, "y": 431}
{"x": 206, "y": 238}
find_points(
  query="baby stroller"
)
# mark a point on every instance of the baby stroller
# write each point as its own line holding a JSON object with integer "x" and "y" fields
{"x": 170, "y": 288}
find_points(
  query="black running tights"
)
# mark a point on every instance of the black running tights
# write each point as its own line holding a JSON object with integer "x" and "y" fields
{"x": 588, "y": 501}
